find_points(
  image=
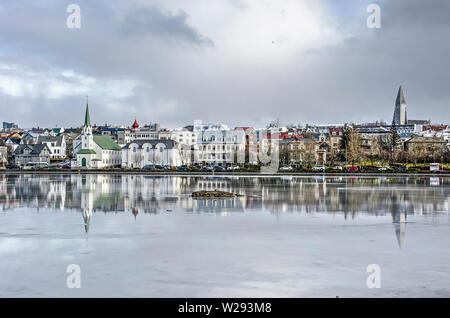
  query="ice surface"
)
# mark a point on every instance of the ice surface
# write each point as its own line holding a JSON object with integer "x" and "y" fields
{"x": 286, "y": 238}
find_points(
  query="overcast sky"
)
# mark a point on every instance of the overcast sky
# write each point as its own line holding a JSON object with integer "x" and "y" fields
{"x": 240, "y": 62}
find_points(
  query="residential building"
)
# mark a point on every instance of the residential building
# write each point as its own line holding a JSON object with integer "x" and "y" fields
{"x": 426, "y": 147}
{"x": 335, "y": 135}
{"x": 127, "y": 135}
{"x": 217, "y": 145}
{"x": 56, "y": 144}
{"x": 184, "y": 135}
{"x": 3, "y": 156}
{"x": 25, "y": 154}
{"x": 8, "y": 126}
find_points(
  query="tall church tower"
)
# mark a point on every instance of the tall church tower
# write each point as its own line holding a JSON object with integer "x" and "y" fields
{"x": 400, "y": 117}
{"x": 87, "y": 138}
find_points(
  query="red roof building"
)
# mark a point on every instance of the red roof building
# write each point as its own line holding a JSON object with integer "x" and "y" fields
{"x": 135, "y": 124}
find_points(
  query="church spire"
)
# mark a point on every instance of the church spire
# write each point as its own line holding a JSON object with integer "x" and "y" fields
{"x": 400, "y": 97}
{"x": 87, "y": 119}
{"x": 400, "y": 116}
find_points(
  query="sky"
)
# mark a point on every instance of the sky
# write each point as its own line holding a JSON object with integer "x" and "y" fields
{"x": 238, "y": 62}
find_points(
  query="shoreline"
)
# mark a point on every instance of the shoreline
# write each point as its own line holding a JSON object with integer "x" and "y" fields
{"x": 224, "y": 173}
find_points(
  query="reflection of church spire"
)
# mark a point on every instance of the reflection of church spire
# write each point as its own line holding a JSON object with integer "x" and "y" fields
{"x": 400, "y": 233}
{"x": 399, "y": 220}
{"x": 135, "y": 213}
{"x": 87, "y": 220}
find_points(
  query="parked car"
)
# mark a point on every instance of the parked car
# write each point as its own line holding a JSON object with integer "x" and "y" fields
{"x": 338, "y": 168}
{"x": 159, "y": 167}
{"x": 183, "y": 168}
{"x": 148, "y": 167}
{"x": 401, "y": 168}
{"x": 352, "y": 169}
{"x": 232, "y": 168}
{"x": 35, "y": 165}
{"x": 286, "y": 168}
{"x": 218, "y": 168}
{"x": 13, "y": 166}
{"x": 383, "y": 169}
{"x": 318, "y": 169}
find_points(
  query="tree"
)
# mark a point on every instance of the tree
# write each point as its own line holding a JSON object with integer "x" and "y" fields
{"x": 353, "y": 147}
{"x": 351, "y": 143}
{"x": 395, "y": 138}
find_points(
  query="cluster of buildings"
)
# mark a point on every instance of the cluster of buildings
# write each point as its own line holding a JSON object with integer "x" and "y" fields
{"x": 136, "y": 146}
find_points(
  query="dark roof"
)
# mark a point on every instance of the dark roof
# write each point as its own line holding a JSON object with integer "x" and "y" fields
{"x": 35, "y": 149}
{"x": 15, "y": 140}
{"x": 169, "y": 143}
{"x": 57, "y": 139}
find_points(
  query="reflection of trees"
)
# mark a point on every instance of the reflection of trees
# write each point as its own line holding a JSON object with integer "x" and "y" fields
{"x": 155, "y": 194}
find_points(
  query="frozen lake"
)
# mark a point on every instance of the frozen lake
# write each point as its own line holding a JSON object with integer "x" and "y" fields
{"x": 144, "y": 236}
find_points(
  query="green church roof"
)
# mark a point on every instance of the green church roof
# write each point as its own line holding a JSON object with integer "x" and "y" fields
{"x": 106, "y": 143}
{"x": 87, "y": 118}
{"x": 86, "y": 152}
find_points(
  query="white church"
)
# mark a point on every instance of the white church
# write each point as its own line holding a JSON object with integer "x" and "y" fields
{"x": 95, "y": 151}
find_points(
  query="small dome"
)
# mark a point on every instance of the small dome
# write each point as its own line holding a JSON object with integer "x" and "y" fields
{"x": 135, "y": 124}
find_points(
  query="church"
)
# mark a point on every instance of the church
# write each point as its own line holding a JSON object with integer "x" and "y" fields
{"x": 94, "y": 151}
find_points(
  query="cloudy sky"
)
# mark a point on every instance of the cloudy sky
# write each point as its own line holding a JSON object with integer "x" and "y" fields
{"x": 240, "y": 62}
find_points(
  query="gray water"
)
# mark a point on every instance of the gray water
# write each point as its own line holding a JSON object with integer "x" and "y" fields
{"x": 144, "y": 236}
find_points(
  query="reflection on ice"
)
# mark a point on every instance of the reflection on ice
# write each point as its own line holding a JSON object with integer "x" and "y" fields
{"x": 302, "y": 251}
{"x": 156, "y": 194}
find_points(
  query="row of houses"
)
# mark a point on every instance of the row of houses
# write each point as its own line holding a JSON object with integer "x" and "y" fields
{"x": 217, "y": 144}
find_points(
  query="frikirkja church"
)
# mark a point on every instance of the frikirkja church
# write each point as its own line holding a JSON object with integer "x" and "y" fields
{"x": 95, "y": 151}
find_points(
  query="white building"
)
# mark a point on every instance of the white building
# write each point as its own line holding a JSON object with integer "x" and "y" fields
{"x": 151, "y": 132}
{"x": 56, "y": 144}
{"x": 95, "y": 151}
{"x": 184, "y": 136}
{"x": 217, "y": 145}
{"x": 140, "y": 153}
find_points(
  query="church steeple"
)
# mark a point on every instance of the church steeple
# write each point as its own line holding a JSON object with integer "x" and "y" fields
{"x": 400, "y": 116}
{"x": 87, "y": 118}
{"x": 400, "y": 97}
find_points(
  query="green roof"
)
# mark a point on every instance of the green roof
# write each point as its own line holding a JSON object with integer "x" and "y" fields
{"x": 106, "y": 143}
{"x": 86, "y": 152}
{"x": 87, "y": 118}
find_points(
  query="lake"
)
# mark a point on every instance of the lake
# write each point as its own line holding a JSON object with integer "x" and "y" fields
{"x": 144, "y": 236}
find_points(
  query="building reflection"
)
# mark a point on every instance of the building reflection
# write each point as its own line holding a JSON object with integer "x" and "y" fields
{"x": 90, "y": 193}
{"x": 134, "y": 194}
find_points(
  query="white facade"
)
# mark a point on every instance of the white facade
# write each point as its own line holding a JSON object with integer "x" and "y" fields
{"x": 220, "y": 147}
{"x": 184, "y": 136}
{"x": 140, "y": 153}
{"x": 95, "y": 152}
{"x": 56, "y": 144}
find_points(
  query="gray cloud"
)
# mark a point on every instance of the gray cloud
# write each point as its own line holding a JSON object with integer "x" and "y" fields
{"x": 156, "y": 22}
{"x": 179, "y": 77}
